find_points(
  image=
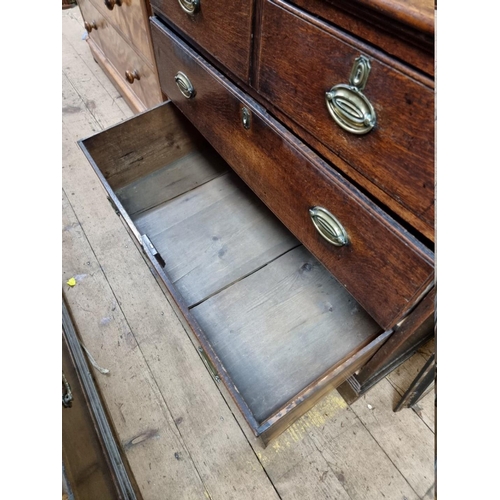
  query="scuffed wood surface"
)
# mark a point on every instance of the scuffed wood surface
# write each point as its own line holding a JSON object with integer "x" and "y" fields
{"x": 177, "y": 432}
{"x": 230, "y": 234}
{"x": 403, "y": 435}
{"x": 402, "y": 377}
{"x": 283, "y": 327}
{"x": 158, "y": 383}
{"x": 173, "y": 180}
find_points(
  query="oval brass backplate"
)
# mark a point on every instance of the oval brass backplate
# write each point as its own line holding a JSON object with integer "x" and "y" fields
{"x": 350, "y": 109}
{"x": 190, "y": 7}
{"x": 347, "y": 104}
{"x": 328, "y": 226}
{"x": 184, "y": 85}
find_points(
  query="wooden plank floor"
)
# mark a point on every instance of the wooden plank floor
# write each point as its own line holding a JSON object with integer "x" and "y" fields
{"x": 178, "y": 429}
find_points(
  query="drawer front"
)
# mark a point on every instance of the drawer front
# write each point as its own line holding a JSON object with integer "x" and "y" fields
{"x": 403, "y": 30}
{"x": 382, "y": 267}
{"x": 94, "y": 21}
{"x": 126, "y": 61}
{"x": 130, "y": 18}
{"x": 301, "y": 59}
{"x": 221, "y": 28}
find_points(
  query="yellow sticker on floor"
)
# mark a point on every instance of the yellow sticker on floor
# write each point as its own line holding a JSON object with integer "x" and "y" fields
{"x": 71, "y": 282}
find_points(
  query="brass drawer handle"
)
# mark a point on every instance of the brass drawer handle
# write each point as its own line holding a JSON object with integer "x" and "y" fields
{"x": 190, "y": 7}
{"x": 347, "y": 104}
{"x": 110, "y": 4}
{"x": 184, "y": 85}
{"x": 328, "y": 226}
{"x": 90, "y": 26}
{"x": 132, "y": 75}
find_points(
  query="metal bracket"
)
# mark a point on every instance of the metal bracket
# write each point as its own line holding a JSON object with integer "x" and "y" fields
{"x": 208, "y": 364}
{"x": 67, "y": 397}
{"x": 113, "y": 204}
{"x": 156, "y": 254}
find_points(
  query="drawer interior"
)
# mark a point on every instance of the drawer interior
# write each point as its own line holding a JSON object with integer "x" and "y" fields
{"x": 274, "y": 317}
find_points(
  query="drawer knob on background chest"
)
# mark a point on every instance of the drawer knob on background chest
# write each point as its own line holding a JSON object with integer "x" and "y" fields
{"x": 191, "y": 7}
{"x": 347, "y": 104}
{"x": 185, "y": 86}
{"x": 110, "y": 4}
{"x": 328, "y": 226}
{"x": 90, "y": 26}
{"x": 132, "y": 75}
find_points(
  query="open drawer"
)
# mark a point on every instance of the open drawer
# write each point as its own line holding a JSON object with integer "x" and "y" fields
{"x": 277, "y": 328}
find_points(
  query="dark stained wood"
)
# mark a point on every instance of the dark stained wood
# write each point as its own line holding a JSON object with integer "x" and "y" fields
{"x": 404, "y": 29}
{"x": 290, "y": 179}
{"x": 383, "y": 199}
{"x": 417, "y": 328}
{"x": 418, "y": 14}
{"x": 293, "y": 307}
{"x": 297, "y": 67}
{"x": 423, "y": 313}
{"x": 329, "y": 473}
{"x": 419, "y": 385}
{"x": 222, "y": 28}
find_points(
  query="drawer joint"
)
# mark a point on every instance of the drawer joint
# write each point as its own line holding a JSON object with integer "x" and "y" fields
{"x": 156, "y": 254}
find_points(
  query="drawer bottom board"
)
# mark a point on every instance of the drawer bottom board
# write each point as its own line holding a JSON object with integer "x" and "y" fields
{"x": 275, "y": 317}
{"x": 279, "y": 328}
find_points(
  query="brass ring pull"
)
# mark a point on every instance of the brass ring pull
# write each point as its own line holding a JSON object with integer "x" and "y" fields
{"x": 110, "y": 4}
{"x": 347, "y": 104}
{"x": 132, "y": 75}
{"x": 185, "y": 86}
{"x": 328, "y": 226}
{"x": 190, "y": 7}
{"x": 90, "y": 26}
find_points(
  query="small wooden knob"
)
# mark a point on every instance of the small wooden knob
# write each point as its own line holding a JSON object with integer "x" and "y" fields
{"x": 90, "y": 26}
{"x": 111, "y": 3}
{"x": 132, "y": 75}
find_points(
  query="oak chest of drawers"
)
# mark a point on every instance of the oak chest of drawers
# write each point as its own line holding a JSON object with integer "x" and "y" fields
{"x": 285, "y": 192}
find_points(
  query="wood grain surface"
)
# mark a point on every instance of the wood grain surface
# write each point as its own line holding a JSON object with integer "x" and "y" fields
{"x": 291, "y": 179}
{"x": 223, "y": 29}
{"x": 412, "y": 41}
{"x": 328, "y": 453}
{"x": 124, "y": 156}
{"x": 174, "y": 179}
{"x": 279, "y": 329}
{"x": 213, "y": 236}
{"x": 178, "y": 434}
{"x": 398, "y": 154}
{"x": 84, "y": 459}
{"x": 130, "y": 19}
